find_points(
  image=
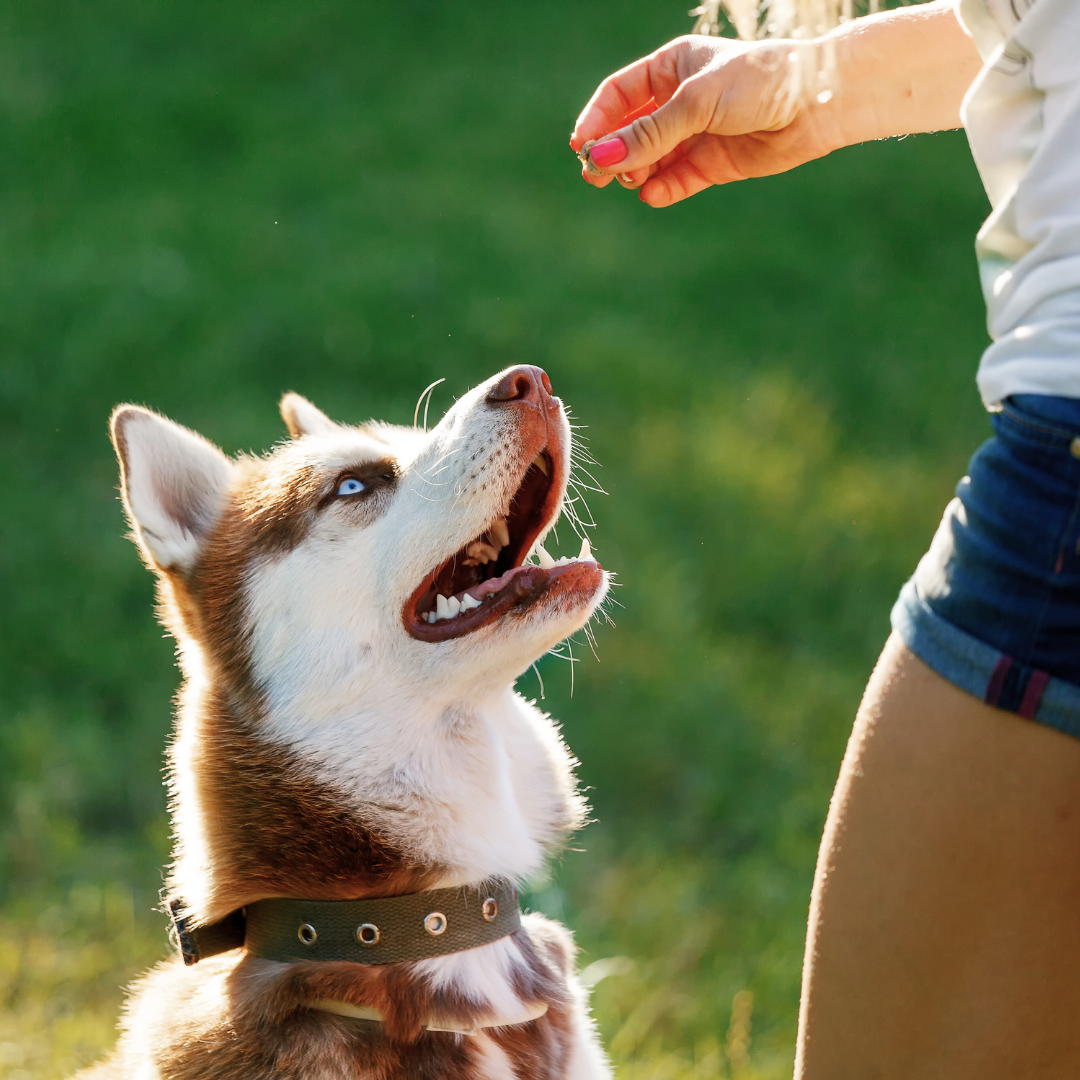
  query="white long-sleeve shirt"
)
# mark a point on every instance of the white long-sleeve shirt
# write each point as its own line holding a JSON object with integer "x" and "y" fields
{"x": 1022, "y": 117}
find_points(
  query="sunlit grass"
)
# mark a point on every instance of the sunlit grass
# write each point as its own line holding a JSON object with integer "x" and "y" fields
{"x": 64, "y": 957}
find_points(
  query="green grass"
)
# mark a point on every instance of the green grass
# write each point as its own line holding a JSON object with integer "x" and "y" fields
{"x": 203, "y": 205}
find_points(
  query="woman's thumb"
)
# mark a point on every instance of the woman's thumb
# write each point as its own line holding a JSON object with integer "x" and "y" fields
{"x": 646, "y": 140}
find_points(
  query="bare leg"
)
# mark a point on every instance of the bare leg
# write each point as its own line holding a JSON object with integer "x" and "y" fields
{"x": 944, "y": 938}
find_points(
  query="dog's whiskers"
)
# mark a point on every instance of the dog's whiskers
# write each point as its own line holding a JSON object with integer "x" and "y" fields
{"x": 426, "y": 393}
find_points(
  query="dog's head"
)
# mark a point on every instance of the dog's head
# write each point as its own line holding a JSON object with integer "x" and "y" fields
{"x": 367, "y": 560}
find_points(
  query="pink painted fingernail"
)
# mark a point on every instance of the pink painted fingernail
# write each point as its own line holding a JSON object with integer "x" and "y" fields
{"x": 608, "y": 153}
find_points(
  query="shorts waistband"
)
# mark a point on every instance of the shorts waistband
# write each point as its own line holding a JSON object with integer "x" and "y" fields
{"x": 1039, "y": 419}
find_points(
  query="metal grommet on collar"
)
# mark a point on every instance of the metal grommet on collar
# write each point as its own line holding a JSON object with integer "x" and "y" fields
{"x": 490, "y": 909}
{"x": 1074, "y": 447}
{"x": 435, "y": 923}
{"x": 307, "y": 934}
{"x": 368, "y": 934}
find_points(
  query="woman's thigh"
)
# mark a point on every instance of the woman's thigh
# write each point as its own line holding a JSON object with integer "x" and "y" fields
{"x": 944, "y": 936}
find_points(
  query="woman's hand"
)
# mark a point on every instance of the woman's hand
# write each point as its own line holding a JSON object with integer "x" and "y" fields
{"x": 706, "y": 110}
{"x": 702, "y": 111}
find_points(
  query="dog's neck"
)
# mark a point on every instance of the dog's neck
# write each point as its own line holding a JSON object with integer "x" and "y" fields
{"x": 394, "y": 797}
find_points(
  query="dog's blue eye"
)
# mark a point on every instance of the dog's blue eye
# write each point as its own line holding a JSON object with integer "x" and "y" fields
{"x": 350, "y": 486}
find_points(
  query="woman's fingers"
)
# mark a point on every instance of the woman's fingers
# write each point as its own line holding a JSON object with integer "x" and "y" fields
{"x": 703, "y": 162}
{"x": 656, "y": 133}
{"x": 634, "y": 180}
{"x": 616, "y": 99}
{"x": 635, "y": 90}
{"x": 675, "y": 183}
{"x": 597, "y": 180}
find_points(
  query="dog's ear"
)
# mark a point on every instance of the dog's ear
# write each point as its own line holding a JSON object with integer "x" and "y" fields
{"x": 174, "y": 484}
{"x": 303, "y": 418}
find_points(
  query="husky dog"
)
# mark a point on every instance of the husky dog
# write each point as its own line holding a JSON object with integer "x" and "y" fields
{"x": 351, "y": 611}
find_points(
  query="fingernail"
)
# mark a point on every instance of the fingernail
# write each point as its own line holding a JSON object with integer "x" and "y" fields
{"x": 608, "y": 153}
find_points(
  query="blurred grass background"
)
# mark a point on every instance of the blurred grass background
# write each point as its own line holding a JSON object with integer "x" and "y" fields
{"x": 203, "y": 205}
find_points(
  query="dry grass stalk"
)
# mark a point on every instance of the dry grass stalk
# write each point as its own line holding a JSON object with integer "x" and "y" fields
{"x": 814, "y": 66}
{"x": 799, "y": 19}
{"x": 738, "y": 1036}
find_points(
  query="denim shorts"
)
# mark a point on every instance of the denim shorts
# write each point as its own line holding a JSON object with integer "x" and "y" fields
{"x": 994, "y": 605}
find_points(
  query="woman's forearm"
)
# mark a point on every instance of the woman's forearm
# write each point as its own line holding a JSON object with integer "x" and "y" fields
{"x": 899, "y": 73}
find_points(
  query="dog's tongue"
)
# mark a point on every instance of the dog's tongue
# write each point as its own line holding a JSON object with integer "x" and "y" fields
{"x": 497, "y": 584}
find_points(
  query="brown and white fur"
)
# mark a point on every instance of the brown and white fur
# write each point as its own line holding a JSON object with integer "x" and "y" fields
{"x": 332, "y": 743}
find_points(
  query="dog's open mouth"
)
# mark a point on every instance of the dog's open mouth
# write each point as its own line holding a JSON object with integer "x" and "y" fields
{"x": 489, "y": 577}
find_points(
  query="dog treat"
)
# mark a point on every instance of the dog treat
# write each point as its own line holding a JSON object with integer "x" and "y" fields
{"x": 587, "y": 161}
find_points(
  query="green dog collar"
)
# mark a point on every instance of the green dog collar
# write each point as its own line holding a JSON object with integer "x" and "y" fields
{"x": 385, "y": 930}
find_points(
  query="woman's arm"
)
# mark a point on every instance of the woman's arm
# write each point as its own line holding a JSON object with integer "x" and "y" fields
{"x": 901, "y": 72}
{"x": 703, "y": 111}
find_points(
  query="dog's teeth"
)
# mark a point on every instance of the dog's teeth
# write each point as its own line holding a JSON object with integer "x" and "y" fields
{"x": 454, "y": 604}
{"x": 540, "y": 463}
{"x": 482, "y": 552}
{"x": 431, "y": 616}
{"x": 468, "y": 602}
{"x": 442, "y": 608}
{"x": 546, "y": 561}
{"x": 500, "y": 534}
{"x": 586, "y": 551}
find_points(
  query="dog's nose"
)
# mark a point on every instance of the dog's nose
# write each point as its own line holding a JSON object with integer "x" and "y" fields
{"x": 525, "y": 383}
